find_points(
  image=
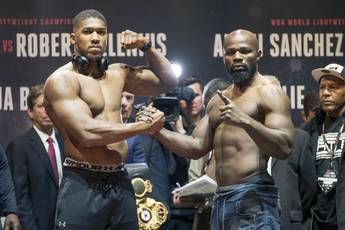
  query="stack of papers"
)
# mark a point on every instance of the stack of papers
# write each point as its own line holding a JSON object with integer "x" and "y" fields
{"x": 202, "y": 186}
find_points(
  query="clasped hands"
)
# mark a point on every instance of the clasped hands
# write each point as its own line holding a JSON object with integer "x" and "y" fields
{"x": 152, "y": 117}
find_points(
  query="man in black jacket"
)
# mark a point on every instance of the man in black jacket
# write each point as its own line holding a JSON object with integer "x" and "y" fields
{"x": 295, "y": 179}
{"x": 8, "y": 204}
{"x": 327, "y": 142}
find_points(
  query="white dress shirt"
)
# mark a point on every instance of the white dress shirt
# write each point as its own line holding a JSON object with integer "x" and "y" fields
{"x": 44, "y": 138}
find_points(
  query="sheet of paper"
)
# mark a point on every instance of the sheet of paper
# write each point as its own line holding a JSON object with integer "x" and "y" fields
{"x": 201, "y": 186}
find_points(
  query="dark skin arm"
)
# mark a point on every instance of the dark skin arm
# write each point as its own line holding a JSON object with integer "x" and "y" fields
{"x": 61, "y": 94}
{"x": 156, "y": 78}
{"x": 195, "y": 146}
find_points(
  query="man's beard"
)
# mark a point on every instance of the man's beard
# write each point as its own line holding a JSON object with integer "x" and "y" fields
{"x": 241, "y": 75}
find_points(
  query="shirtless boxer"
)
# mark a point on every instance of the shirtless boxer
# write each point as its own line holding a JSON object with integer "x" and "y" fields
{"x": 83, "y": 100}
{"x": 244, "y": 124}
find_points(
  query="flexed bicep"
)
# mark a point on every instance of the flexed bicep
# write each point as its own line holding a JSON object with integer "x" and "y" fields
{"x": 142, "y": 81}
{"x": 64, "y": 106}
{"x": 277, "y": 136}
{"x": 155, "y": 78}
{"x": 277, "y": 105}
{"x": 81, "y": 118}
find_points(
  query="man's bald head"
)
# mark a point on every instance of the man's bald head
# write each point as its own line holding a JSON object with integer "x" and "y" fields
{"x": 240, "y": 36}
{"x": 241, "y": 54}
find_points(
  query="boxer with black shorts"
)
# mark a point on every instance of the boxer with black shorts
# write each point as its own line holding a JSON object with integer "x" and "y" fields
{"x": 83, "y": 100}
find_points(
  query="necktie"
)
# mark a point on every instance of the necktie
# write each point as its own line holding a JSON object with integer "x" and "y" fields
{"x": 52, "y": 158}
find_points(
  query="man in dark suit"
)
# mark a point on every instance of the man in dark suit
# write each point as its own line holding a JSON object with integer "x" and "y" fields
{"x": 8, "y": 204}
{"x": 136, "y": 152}
{"x": 36, "y": 173}
{"x": 295, "y": 179}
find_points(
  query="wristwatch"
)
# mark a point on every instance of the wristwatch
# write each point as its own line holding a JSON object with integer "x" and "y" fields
{"x": 146, "y": 47}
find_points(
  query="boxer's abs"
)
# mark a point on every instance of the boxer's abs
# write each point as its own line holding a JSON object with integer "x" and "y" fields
{"x": 111, "y": 154}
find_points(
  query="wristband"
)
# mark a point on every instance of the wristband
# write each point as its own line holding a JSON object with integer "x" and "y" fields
{"x": 146, "y": 47}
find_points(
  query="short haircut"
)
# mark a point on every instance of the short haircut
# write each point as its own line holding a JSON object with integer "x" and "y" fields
{"x": 85, "y": 14}
{"x": 189, "y": 80}
{"x": 212, "y": 86}
{"x": 34, "y": 93}
{"x": 311, "y": 102}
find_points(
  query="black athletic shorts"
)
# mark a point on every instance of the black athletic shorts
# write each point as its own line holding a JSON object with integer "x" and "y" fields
{"x": 91, "y": 200}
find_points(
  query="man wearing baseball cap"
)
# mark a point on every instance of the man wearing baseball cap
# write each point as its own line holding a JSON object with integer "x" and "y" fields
{"x": 328, "y": 144}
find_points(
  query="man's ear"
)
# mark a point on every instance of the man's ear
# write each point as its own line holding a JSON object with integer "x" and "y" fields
{"x": 304, "y": 116}
{"x": 258, "y": 55}
{"x": 223, "y": 56}
{"x": 72, "y": 38}
{"x": 29, "y": 111}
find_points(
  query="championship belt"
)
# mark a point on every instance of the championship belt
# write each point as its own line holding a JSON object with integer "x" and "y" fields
{"x": 151, "y": 213}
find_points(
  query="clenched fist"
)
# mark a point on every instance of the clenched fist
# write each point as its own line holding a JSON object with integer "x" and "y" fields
{"x": 132, "y": 40}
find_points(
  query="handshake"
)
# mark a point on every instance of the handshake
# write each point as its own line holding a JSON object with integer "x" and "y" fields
{"x": 152, "y": 118}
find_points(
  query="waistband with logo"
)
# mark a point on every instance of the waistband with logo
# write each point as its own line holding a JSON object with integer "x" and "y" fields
{"x": 69, "y": 162}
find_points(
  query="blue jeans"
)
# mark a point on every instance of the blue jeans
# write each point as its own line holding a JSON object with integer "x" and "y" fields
{"x": 246, "y": 206}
